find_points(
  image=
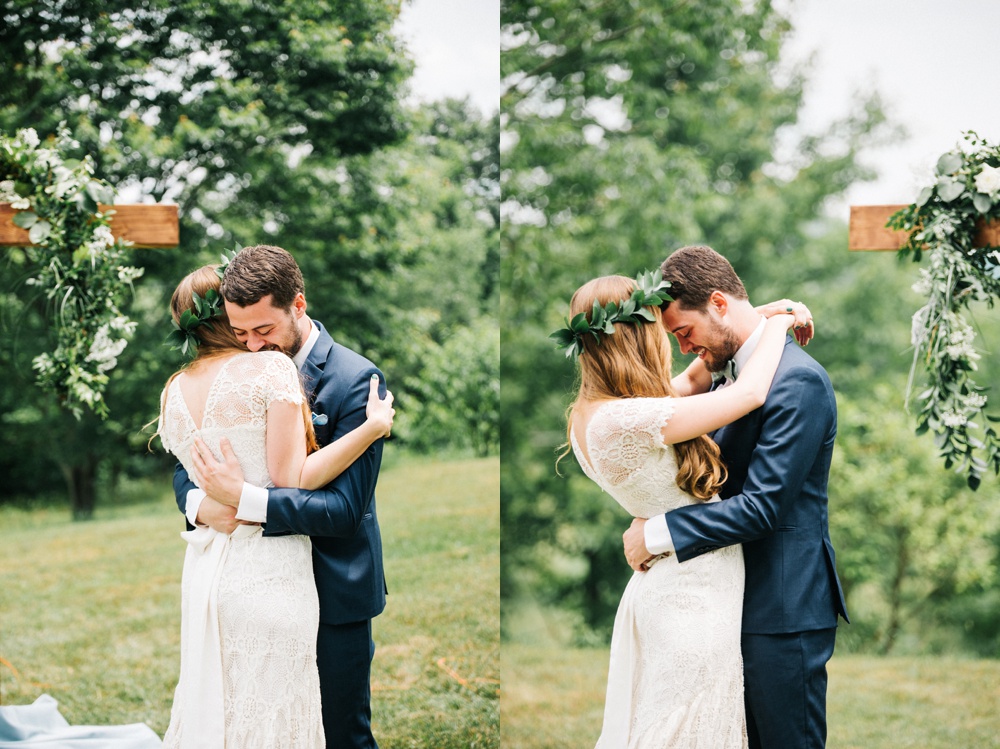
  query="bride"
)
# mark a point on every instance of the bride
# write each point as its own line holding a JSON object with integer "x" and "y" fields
{"x": 249, "y": 607}
{"x": 676, "y": 676}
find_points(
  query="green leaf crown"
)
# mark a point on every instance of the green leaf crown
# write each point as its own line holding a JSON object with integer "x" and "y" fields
{"x": 227, "y": 256}
{"x": 206, "y": 308}
{"x": 183, "y": 335}
{"x": 649, "y": 292}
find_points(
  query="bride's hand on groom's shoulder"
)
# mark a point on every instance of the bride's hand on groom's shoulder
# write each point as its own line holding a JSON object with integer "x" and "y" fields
{"x": 803, "y": 328}
{"x": 379, "y": 410}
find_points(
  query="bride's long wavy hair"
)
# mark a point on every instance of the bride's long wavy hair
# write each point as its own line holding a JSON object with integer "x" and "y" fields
{"x": 634, "y": 362}
{"x": 215, "y": 336}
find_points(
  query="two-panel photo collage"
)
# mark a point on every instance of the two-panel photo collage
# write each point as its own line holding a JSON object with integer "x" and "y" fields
{"x": 481, "y": 374}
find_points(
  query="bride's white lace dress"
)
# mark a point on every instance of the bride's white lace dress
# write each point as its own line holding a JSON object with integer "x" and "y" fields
{"x": 249, "y": 607}
{"x": 675, "y": 678}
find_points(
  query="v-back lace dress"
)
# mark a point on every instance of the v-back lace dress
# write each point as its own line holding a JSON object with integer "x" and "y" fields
{"x": 249, "y": 607}
{"x": 675, "y": 678}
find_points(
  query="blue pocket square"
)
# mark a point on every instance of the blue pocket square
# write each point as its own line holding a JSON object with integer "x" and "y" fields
{"x": 320, "y": 419}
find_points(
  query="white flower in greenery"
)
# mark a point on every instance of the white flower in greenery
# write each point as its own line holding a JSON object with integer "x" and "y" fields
{"x": 962, "y": 351}
{"x": 127, "y": 273}
{"x": 28, "y": 137}
{"x": 954, "y": 419}
{"x": 65, "y": 183}
{"x": 123, "y": 325}
{"x": 924, "y": 284}
{"x": 85, "y": 394}
{"x": 43, "y": 363}
{"x": 103, "y": 234}
{"x": 8, "y": 194}
{"x": 988, "y": 180}
{"x": 975, "y": 401}
{"x": 960, "y": 338}
{"x": 104, "y": 351}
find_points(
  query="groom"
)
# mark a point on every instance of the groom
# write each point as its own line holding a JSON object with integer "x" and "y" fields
{"x": 265, "y": 301}
{"x": 775, "y": 504}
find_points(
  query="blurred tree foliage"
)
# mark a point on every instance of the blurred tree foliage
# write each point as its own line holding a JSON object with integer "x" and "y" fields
{"x": 276, "y": 123}
{"x": 629, "y": 130}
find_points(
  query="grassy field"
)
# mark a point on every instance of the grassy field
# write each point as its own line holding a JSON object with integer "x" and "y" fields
{"x": 554, "y": 699}
{"x": 90, "y": 612}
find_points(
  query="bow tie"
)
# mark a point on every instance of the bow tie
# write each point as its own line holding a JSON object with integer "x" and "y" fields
{"x": 727, "y": 373}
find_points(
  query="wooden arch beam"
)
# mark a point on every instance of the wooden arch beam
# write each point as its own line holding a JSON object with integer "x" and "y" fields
{"x": 867, "y": 230}
{"x": 153, "y": 226}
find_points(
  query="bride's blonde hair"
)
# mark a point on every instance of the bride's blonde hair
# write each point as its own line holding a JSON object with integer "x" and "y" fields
{"x": 634, "y": 362}
{"x": 215, "y": 335}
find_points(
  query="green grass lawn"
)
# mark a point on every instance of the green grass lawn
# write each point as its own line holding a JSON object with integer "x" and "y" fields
{"x": 554, "y": 699}
{"x": 90, "y": 612}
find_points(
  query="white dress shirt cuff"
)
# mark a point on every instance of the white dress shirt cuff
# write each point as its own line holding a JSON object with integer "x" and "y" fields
{"x": 193, "y": 504}
{"x": 657, "y": 535}
{"x": 253, "y": 504}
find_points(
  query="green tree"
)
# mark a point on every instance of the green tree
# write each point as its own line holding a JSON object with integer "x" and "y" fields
{"x": 909, "y": 535}
{"x": 184, "y": 98}
{"x": 272, "y": 123}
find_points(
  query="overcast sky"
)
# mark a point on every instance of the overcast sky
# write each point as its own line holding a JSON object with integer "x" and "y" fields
{"x": 456, "y": 47}
{"x": 936, "y": 64}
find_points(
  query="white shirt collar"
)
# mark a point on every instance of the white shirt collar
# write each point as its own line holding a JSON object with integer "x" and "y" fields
{"x": 307, "y": 347}
{"x": 742, "y": 356}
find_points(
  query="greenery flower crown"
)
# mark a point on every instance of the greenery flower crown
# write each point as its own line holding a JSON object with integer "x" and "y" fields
{"x": 649, "y": 292}
{"x": 943, "y": 224}
{"x": 183, "y": 336}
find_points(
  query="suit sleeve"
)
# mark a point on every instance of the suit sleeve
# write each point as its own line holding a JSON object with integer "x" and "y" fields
{"x": 795, "y": 424}
{"x": 182, "y": 485}
{"x": 338, "y": 509}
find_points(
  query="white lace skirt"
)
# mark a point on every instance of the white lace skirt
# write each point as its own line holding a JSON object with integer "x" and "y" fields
{"x": 675, "y": 679}
{"x": 264, "y": 599}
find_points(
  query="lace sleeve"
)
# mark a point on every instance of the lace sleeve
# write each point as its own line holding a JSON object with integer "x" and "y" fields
{"x": 625, "y": 433}
{"x": 282, "y": 381}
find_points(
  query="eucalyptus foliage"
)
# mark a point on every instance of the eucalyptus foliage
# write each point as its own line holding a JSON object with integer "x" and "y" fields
{"x": 74, "y": 261}
{"x": 650, "y": 291}
{"x": 943, "y": 222}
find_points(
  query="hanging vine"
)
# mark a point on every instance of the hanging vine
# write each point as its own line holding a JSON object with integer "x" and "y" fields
{"x": 943, "y": 224}
{"x": 73, "y": 260}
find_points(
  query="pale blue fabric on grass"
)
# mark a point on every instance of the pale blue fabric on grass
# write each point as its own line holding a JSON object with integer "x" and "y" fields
{"x": 41, "y": 725}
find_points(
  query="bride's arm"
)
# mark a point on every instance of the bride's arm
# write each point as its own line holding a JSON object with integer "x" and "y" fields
{"x": 697, "y": 379}
{"x": 693, "y": 380}
{"x": 804, "y": 328}
{"x": 286, "y": 437}
{"x": 703, "y": 413}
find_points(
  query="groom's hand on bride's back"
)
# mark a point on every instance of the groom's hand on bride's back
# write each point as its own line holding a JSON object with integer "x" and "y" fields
{"x": 221, "y": 480}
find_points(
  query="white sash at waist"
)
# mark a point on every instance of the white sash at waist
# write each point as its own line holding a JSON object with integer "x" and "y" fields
{"x": 204, "y": 718}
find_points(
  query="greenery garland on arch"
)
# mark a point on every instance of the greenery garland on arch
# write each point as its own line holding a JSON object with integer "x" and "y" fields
{"x": 943, "y": 225}
{"x": 74, "y": 261}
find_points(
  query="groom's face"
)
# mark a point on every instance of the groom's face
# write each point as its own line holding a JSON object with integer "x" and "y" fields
{"x": 264, "y": 327}
{"x": 702, "y": 332}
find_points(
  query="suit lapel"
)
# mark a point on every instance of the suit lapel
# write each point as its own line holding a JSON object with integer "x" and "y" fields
{"x": 315, "y": 363}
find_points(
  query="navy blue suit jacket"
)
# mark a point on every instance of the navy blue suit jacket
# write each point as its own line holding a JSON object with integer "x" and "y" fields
{"x": 775, "y": 503}
{"x": 340, "y": 517}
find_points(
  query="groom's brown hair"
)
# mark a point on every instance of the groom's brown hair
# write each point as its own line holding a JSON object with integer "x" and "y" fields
{"x": 261, "y": 270}
{"x": 695, "y": 271}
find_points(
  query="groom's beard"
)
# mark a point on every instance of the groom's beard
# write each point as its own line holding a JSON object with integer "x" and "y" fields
{"x": 724, "y": 346}
{"x": 290, "y": 344}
